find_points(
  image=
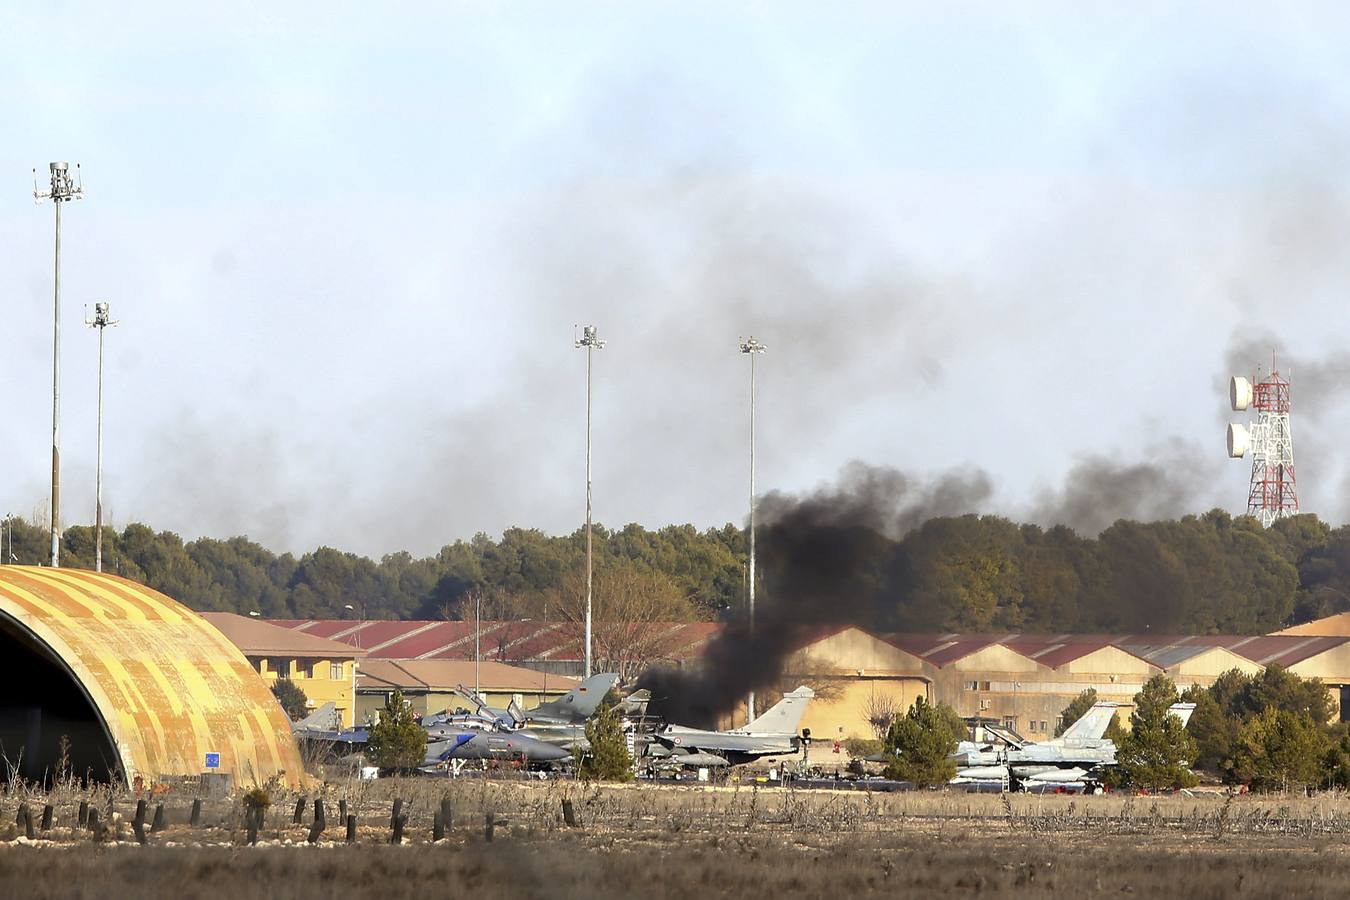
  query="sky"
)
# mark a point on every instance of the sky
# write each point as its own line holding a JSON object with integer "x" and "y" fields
{"x": 349, "y": 246}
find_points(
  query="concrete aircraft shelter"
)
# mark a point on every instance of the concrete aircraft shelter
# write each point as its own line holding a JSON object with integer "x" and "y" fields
{"x": 138, "y": 684}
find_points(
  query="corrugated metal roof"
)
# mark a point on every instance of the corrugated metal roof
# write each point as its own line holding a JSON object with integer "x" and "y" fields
{"x": 445, "y": 675}
{"x": 504, "y": 640}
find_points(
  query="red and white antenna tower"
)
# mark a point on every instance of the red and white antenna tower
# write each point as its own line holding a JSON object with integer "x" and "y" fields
{"x": 1274, "y": 489}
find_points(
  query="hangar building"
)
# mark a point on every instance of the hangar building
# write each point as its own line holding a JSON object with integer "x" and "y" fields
{"x": 137, "y": 684}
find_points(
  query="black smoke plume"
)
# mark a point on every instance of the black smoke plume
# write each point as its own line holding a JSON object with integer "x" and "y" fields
{"x": 825, "y": 559}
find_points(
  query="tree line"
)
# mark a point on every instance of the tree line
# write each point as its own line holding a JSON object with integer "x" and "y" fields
{"x": 1210, "y": 573}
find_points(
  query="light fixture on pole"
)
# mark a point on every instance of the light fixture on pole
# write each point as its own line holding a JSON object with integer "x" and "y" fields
{"x": 752, "y": 348}
{"x": 63, "y": 189}
{"x": 362, "y": 622}
{"x": 591, "y": 341}
{"x": 477, "y": 636}
{"x": 101, "y": 320}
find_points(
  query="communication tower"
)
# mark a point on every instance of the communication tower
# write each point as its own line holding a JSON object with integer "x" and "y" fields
{"x": 1273, "y": 493}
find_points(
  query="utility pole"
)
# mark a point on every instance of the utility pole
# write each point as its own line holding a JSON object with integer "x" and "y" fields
{"x": 477, "y": 637}
{"x": 62, "y": 190}
{"x": 591, "y": 342}
{"x": 752, "y": 348}
{"x": 101, "y": 320}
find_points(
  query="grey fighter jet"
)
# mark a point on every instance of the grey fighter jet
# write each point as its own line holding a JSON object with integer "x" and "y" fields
{"x": 772, "y": 734}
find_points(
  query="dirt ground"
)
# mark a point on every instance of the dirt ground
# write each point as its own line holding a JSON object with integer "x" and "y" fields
{"x": 665, "y": 842}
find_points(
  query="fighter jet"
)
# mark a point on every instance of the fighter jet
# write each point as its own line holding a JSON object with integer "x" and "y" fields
{"x": 487, "y": 745}
{"x": 1072, "y": 759}
{"x": 561, "y": 722}
{"x": 772, "y": 734}
{"x": 445, "y": 742}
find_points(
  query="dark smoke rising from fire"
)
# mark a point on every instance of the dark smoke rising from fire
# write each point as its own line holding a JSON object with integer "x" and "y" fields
{"x": 830, "y": 558}
{"x": 824, "y": 562}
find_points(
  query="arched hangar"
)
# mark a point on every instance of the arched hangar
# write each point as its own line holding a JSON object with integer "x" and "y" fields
{"x": 117, "y": 681}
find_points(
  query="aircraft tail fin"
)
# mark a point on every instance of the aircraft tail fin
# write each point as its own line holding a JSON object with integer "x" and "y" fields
{"x": 325, "y": 718}
{"x": 1092, "y": 726}
{"x": 785, "y": 715}
{"x": 1182, "y": 711}
{"x": 635, "y": 704}
{"x": 580, "y": 703}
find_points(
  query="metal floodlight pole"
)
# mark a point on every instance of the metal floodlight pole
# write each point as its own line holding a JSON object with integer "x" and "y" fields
{"x": 591, "y": 341}
{"x": 101, "y": 320}
{"x": 477, "y": 635}
{"x": 62, "y": 190}
{"x": 752, "y": 348}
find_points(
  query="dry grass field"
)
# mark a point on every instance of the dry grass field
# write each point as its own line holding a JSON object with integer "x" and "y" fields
{"x": 658, "y": 842}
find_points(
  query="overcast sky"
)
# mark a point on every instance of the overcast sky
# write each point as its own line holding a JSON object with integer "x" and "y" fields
{"x": 348, "y": 244}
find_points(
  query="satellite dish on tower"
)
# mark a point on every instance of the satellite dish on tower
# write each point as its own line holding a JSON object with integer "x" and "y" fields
{"x": 1239, "y": 439}
{"x": 1240, "y": 395}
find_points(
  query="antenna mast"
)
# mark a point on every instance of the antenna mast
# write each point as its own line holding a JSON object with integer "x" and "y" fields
{"x": 1273, "y": 493}
{"x": 101, "y": 320}
{"x": 63, "y": 189}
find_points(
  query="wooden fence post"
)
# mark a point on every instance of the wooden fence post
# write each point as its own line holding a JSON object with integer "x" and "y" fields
{"x": 351, "y": 829}
{"x": 47, "y": 812}
{"x": 157, "y": 823}
{"x": 447, "y": 812}
{"x": 299, "y": 816}
{"x": 196, "y": 818}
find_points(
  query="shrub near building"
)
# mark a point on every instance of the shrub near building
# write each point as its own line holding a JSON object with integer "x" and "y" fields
{"x": 920, "y": 743}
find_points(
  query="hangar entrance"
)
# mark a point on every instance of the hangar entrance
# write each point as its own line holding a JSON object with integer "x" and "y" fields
{"x": 41, "y": 703}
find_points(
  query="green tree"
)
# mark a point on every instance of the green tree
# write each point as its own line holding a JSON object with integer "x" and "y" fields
{"x": 1157, "y": 752}
{"x": 1277, "y": 749}
{"x": 396, "y": 740}
{"x": 1336, "y": 762}
{"x": 608, "y": 758}
{"x": 291, "y": 698}
{"x": 920, "y": 744}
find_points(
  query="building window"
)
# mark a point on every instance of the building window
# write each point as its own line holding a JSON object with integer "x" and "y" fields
{"x": 972, "y": 685}
{"x": 984, "y": 685}
{"x": 335, "y": 671}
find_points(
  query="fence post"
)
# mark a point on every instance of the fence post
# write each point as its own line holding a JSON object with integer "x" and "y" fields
{"x": 447, "y": 813}
{"x": 95, "y": 825}
{"x": 437, "y": 826}
{"x": 398, "y": 808}
{"x": 489, "y": 826}
{"x": 157, "y": 824}
{"x": 47, "y": 812}
{"x": 252, "y": 822}
{"x": 351, "y": 829}
{"x": 196, "y": 817}
{"x": 342, "y": 810}
{"x": 316, "y": 829}
{"x": 569, "y": 814}
{"x": 396, "y": 835}
{"x": 299, "y": 816}
{"x": 82, "y": 818}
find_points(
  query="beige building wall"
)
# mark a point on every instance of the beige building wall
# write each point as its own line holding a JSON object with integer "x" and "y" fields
{"x": 1330, "y": 626}
{"x": 322, "y": 680}
{"x": 842, "y": 707}
{"x": 1204, "y": 668}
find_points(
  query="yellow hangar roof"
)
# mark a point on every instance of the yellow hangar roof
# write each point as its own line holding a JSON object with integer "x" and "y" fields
{"x": 169, "y": 688}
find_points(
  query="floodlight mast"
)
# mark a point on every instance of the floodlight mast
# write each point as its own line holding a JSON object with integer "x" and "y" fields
{"x": 751, "y": 348}
{"x": 63, "y": 189}
{"x": 591, "y": 341}
{"x": 101, "y": 320}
